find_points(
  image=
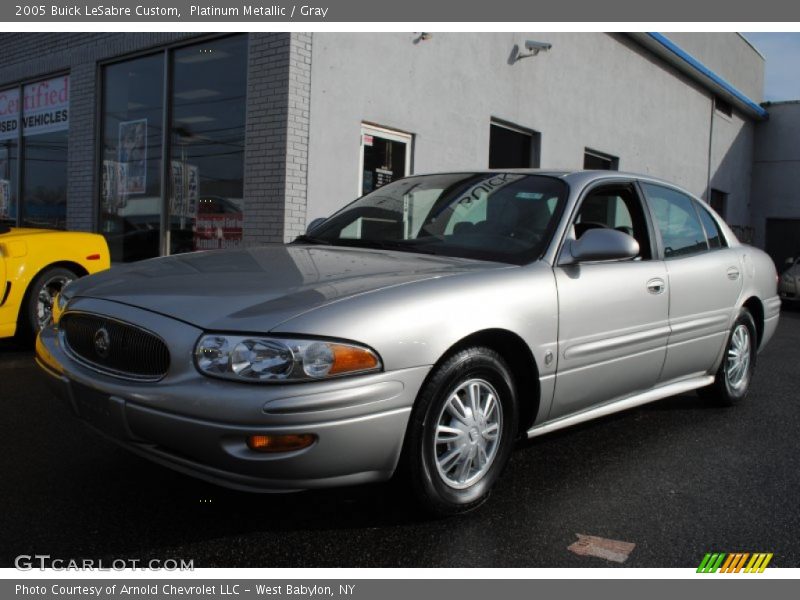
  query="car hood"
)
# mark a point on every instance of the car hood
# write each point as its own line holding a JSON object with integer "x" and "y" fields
{"x": 256, "y": 289}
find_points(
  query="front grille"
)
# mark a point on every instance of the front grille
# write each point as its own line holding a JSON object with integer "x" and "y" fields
{"x": 114, "y": 347}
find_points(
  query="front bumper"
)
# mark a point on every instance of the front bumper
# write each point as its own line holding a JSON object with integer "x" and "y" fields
{"x": 198, "y": 425}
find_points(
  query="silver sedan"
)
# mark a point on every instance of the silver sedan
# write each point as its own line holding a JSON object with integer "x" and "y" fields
{"x": 419, "y": 331}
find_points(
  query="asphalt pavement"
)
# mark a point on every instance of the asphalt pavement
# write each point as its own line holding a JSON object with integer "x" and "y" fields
{"x": 678, "y": 478}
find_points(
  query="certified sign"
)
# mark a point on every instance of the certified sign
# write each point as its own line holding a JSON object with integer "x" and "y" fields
{"x": 44, "y": 106}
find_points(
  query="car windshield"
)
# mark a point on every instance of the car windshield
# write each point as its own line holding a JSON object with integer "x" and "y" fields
{"x": 505, "y": 217}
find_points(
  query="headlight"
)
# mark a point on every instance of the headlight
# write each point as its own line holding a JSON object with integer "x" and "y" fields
{"x": 787, "y": 278}
{"x": 59, "y": 306}
{"x": 249, "y": 358}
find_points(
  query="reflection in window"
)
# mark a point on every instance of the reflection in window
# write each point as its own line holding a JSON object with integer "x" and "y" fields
{"x": 44, "y": 124}
{"x": 208, "y": 117}
{"x": 676, "y": 218}
{"x": 130, "y": 201}
{"x": 9, "y": 122}
{"x": 44, "y": 137}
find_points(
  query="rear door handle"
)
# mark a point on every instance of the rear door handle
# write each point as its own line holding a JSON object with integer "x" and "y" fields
{"x": 733, "y": 273}
{"x": 656, "y": 285}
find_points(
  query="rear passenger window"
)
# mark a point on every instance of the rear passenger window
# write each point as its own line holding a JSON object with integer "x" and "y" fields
{"x": 675, "y": 216}
{"x": 713, "y": 234}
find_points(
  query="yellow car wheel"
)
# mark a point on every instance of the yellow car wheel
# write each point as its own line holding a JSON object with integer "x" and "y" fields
{"x": 37, "y": 310}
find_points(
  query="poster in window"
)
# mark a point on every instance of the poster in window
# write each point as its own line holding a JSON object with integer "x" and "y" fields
{"x": 176, "y": 200}
{"x": 5, "y": 199}
{"x": 133, "y": 156}
{"x": 5, "y": 185}
{"x": 192, "y": 183}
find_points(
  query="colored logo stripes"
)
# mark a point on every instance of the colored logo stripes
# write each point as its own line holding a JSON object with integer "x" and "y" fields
{"x": 735, "y": 562}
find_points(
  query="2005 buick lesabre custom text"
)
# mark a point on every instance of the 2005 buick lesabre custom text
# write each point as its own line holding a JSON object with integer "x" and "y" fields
{"x": 422, "y": 329}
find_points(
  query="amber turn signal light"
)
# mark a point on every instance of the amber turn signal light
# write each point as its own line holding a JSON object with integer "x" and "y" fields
{"x": 280, "y": 443}
{"x": 348, "y": 359}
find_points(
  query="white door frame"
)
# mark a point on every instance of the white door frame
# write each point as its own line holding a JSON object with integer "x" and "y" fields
{"x": 387, "y": 134}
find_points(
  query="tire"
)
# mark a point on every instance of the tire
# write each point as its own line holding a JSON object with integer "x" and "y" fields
{"x": 451, "y": 458}
{"x": 35, "y": 311}
{"x": 731, "y": 384}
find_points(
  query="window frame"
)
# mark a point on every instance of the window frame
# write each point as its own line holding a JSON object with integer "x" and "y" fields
{"x": 612, "y": 160}
{"x": 387, "y": 133}
{"x": 19, "y": 85}
{"x": 698, "y": 207}
{"x": 611, "y": 182}
{"x": 535, "y": 141}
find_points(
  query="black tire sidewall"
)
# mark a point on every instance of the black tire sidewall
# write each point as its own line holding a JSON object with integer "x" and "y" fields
{"x": 472, "y": 363}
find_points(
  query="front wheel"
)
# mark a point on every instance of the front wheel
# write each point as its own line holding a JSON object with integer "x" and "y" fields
{"x": 733, "y": 377}
{"x": 461, "y": 431}
{"x": 37, "y": 309}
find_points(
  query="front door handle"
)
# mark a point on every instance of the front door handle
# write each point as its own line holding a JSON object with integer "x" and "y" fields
{"x": 733, "y": 273}
{"x": 656, "y": 285}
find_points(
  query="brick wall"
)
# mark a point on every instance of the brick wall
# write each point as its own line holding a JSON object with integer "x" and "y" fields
{"x": 276, "y": 142}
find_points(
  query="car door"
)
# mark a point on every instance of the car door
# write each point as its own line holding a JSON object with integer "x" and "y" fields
{"x": 704, "y": 281}
{"x": 612, "y": 315}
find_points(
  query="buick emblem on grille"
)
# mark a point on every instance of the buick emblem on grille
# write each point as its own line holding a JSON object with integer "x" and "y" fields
{"x": 102, "y": 342}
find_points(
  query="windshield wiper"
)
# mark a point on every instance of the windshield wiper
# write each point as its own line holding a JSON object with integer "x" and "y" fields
{"x": 310, "y": 239}
{"x": 401, "y": 246}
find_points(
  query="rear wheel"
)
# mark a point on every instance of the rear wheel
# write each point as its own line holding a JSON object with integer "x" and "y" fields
{"x": 461, "y": 431}
{"x": 37, "y": 309}
{"x": 733, "y": 377}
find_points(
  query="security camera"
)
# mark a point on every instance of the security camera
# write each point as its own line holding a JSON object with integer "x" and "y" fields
{"x": 535, "y": 47}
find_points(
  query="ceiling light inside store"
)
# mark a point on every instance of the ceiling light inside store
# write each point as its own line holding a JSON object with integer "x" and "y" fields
{"x": 196, "y": 94}
{"x": 201, "y": 55}
{"x": 195, "y": 119}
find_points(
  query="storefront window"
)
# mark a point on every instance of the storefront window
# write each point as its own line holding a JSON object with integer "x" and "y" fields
{"x": 9, "y": 133}
{"x": 208, "y": 106}
{"x": 44, "y": 110}
{"x": 45, "y": 123}
{"x": 202, "y": 198}
{"x": 131, "y": 171}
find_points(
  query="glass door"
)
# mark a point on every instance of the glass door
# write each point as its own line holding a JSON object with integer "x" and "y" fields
{"x": 385, "y": 156}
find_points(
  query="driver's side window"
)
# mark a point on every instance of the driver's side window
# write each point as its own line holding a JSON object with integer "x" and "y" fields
{"x": 614, "y": 207}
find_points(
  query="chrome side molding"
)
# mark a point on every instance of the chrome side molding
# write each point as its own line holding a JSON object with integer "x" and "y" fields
{"x": 664, "y": 391}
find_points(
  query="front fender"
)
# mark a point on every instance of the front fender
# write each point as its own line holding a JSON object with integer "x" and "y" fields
{"x": 414, "y": 324}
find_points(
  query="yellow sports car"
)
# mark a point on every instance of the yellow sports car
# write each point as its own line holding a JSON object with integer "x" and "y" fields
{"x": 34, "y": 265}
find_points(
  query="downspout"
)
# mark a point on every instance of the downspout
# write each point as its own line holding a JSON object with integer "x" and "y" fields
{"x": 710, "y": 146}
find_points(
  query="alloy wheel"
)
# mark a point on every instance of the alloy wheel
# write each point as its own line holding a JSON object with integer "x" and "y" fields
{"x": 737, "y": 363}
{"x": 468, "y": 433}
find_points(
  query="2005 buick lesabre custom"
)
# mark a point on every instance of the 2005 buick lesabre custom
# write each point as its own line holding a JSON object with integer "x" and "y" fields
{"x": 423, "y": 328}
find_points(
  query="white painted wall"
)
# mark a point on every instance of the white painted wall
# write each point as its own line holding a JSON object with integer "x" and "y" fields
{"x": 590, "y": 90}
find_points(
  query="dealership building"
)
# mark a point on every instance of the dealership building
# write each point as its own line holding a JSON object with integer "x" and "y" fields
{"x": 168, "y": 143}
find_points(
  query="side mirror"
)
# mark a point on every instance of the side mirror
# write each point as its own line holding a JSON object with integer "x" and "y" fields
{"x": 314, "y": 224}
{"x": 603, "y": 244}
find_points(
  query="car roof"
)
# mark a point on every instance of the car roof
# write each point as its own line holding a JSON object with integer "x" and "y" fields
{"x": 561, "y": 173}
{"x": 577, "y": 177}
